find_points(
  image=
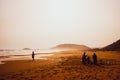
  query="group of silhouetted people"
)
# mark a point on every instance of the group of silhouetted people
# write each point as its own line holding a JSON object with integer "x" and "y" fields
{"x": 86, "y": 59}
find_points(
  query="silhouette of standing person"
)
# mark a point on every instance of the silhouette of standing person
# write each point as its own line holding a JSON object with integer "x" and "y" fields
{"x": 94, "y": 59}
{"x": 83, "y": 58}
{"x": 33, "y": 55}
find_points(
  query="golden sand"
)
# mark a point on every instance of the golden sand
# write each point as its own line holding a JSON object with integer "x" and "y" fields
{"x": 64, "y": 66}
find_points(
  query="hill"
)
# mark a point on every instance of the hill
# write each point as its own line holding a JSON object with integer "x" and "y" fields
{"x": 26, "y": 49}
{"x": 115, "y": 46}
{"x": 71, "y": 47}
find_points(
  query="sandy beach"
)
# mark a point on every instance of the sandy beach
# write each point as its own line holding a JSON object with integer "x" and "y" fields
{"x": 59, "y": 39}
{"x": 64, "y": 65}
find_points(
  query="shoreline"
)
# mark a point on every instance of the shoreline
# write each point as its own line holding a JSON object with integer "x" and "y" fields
{"x": 38, "y": 56}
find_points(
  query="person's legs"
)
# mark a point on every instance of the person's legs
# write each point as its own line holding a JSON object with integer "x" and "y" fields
{"x": 33, "y": 59}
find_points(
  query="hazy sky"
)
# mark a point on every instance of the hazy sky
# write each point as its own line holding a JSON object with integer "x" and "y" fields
{"x": 46, "y": 23}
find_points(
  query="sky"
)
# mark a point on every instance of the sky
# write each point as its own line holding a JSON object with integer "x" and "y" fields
{"x": 45, "y": 23}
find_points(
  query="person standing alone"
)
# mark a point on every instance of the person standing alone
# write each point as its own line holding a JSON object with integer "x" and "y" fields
{"x": 33, "y": 55}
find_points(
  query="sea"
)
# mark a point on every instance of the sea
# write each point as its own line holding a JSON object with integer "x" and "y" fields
{"x": 20, "y": 54}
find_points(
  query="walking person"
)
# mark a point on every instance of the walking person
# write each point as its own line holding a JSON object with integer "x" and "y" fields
{"x": 33, "y": 55}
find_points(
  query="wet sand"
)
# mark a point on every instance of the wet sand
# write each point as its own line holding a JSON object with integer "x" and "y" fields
{"x": 4, "y": 59}
{"x": 63, "y": 66}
